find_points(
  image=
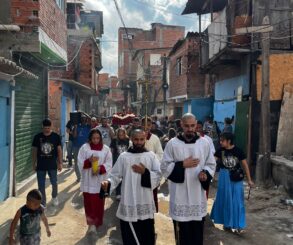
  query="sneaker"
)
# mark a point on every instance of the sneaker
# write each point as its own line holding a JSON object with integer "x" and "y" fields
{"x": 118, "y": 197}
{"x": 92, "y": 229}
{"x": 55, "y": 201}
{"x": 240, "y": 231}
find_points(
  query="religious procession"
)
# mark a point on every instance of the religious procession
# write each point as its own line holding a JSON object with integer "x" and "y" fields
{"x": 129, "y": 163}
{"x": 146, "y": 122}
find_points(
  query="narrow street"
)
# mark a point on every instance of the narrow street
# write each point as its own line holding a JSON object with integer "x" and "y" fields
{"x": 269, "y": 222}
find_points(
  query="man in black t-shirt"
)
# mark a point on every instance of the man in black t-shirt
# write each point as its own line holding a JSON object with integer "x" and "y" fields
{"x": 47, "y": 158}
{"x": 155, "y": 130}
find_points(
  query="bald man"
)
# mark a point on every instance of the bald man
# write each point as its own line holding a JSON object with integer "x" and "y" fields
{"x": 188, "y": 164}
{"x": 140, "y": 171}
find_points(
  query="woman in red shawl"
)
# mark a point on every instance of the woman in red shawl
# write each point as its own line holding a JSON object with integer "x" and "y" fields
{"x": 92, "y": 153}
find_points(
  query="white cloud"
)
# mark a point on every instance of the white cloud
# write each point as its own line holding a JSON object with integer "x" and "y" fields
{"x": 141, "y": 15}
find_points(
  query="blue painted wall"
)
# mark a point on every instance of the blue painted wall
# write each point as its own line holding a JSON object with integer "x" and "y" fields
{"x": 67, "y": 93}
{"x": 226, "y": 95}
{"x": 227, "y": 89}
{"x": 201, "y": 107}
{"x": 5, "y": 113}
{"x": 222, "y": 110}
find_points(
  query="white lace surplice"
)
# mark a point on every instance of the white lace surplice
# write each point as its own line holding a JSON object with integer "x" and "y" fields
{"x": 188, "y": 200}
{"x": 137, "y": 202}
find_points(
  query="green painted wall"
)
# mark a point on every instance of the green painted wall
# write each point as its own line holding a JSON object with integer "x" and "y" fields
{"x": 29, "y": 113}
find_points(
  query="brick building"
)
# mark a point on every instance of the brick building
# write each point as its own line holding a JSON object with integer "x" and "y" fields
{"x": 110, "y": 95}
{"x": 234, "y": 62}
{"x": 33, "y": 34}
{"x": 139, "y": 50}
{"x": 74, "y": 87}
{"x": 186, "y": 82}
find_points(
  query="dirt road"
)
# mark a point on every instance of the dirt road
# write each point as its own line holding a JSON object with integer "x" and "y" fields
{"x": 269, "y": 222}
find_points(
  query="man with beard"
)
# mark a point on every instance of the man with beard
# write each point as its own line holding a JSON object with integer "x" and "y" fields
{"x": 140, "y": 171}
{"x": 188, "y": 164}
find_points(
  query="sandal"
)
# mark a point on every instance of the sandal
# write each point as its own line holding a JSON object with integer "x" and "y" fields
{"x": 228, "y": 229}
{"x": 240, "y": 231}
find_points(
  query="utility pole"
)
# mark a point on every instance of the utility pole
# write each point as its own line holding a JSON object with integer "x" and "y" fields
{"x": 263, "y": 167}
{"x": 265, "y": 139}
{"x": 165, "y": 84}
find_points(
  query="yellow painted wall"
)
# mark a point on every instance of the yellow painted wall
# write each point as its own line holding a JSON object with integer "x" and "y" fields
{"x": 281, "y": 72}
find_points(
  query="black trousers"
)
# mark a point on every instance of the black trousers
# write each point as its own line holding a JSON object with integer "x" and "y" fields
{"x": 144, "y": 230}
{"x": 189, "y": 233}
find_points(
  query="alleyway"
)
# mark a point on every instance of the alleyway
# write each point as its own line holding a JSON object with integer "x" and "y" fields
{"x": 269, "y": 222}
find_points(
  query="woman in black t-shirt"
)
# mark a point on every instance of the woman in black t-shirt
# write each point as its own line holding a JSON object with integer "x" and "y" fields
{"x": 118, "y": 146}
{"x": 228, "y": 208}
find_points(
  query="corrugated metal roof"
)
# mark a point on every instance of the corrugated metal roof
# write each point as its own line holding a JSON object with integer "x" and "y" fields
{"x": 203, "y": 6}
{"x": 9, "y": 67}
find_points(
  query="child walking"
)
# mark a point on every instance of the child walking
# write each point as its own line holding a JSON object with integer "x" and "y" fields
{"x": 30, "y": 216}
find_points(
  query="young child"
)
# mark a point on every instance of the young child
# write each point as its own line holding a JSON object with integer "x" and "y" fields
{"x": 30, "y": 216}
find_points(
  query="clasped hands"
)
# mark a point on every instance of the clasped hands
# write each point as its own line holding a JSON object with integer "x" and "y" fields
{"x": 192, "y": 163}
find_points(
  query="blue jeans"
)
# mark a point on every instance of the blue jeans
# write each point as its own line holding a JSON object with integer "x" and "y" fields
{"x": 41, "y": 176}
{"x": 75, "y": 155}
{"x": 69, "y": 152}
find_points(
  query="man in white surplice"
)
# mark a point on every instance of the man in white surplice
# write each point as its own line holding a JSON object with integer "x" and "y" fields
{"x": 188, "y": 164}
{"x": 140, "y": 171}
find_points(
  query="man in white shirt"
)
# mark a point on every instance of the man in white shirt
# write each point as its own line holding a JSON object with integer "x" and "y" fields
{"x": 188, "y": 164}
{"x": 199, "y": 130}
{"x": 107, "y": 131}
{"x": 153, "y": 142}
{"x": 140, "y": 171}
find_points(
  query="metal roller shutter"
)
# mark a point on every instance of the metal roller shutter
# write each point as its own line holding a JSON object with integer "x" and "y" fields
{"x": 29, "y": 113}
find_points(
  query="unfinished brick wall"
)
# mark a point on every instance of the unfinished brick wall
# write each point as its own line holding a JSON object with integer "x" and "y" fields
{"x": 191, "y": 82}
{"x": 82, "y": 68}
{"x": 54, "y": 107}
{"x": 50, "y": 18}
{"x": 281, "y": 72}
{"x": 159, "y": 36}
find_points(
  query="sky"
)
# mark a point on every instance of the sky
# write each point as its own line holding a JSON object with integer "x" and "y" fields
{"x": 139, "y": 14}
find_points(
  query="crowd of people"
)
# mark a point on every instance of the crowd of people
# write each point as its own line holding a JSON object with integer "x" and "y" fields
{"x": 132, "y": 160}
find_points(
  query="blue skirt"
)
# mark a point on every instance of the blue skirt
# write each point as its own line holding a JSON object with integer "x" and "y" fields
{"x": 228, "y": 208}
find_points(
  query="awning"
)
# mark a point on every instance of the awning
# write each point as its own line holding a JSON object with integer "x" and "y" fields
{"x": 203, "y": 6}
{"x": 11, "y": 68}
{"x": 82, "y": 88}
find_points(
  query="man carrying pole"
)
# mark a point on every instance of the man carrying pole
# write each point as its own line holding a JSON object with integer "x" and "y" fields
{"x": 140, "y": 171}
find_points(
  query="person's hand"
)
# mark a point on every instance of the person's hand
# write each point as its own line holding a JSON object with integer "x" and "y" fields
{"x": 138, "y": 168}
{"x": 48, "y": 232}
{"x": 202, "y": 176}
{"x": 59, "y": 167}
{"x": 93, "y": 159}
{"x": 250, "y": 183}
{"x": 190, "y": 163}
{"x": 105, "y": 185}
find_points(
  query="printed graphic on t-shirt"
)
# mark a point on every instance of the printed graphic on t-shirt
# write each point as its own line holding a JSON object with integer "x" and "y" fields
{"x": 230, "y": 161}
{"x": 30, "y": 223}
{"x": 104, "y": 134}
{"x": 47, "y": 148}
{"x": 121, "y": 148}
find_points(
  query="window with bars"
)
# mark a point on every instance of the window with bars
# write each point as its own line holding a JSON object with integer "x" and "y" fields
{"x": 179, "y": 66}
